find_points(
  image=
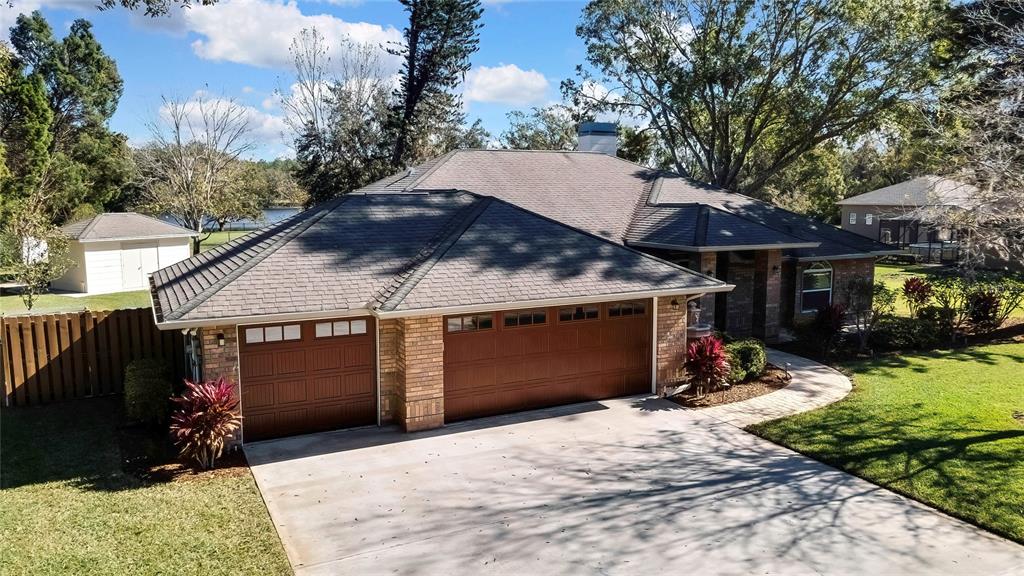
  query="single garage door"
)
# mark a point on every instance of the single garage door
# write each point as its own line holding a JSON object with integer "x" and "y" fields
{"x": 306, "y": 376}
{"x": 523, "y": 359}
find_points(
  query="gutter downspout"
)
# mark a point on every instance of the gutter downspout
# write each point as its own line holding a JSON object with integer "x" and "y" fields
{"x": 376, "y": 354}
{"x": 654, "y": 346}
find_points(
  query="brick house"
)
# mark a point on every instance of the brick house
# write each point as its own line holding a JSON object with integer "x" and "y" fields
{"x": 491, "y": 281}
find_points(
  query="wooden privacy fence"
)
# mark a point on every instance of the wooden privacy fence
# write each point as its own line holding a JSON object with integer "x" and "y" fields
{"x": 52, "y": 357}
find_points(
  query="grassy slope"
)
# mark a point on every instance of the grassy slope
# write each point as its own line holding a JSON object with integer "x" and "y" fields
{"x": 67, "y": 507}
{"x": 49, "y": 303}
{"x": 937, "y": 426}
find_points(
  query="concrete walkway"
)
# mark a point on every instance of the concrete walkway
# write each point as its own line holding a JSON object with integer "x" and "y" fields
{"x": 812, "y": 386}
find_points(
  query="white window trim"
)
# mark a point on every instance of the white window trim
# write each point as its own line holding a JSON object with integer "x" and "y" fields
{"x": 869, "y": 219}
{"x": 817, "y": 268}
{"x": 853, "y": 217}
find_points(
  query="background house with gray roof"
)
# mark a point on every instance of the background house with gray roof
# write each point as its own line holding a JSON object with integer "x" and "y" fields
{"x": 491, "y": 281}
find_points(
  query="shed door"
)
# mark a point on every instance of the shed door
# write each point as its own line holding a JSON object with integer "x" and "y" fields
{"x": 138, "y": 259}
{"x": 306, "y": 376}
{"x": 524, "y": 359}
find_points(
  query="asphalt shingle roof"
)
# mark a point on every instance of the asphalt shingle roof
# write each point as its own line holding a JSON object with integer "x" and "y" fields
{"x": 405, "y": 251}
{"x": 915, "y": 193}
{"x": 122, "y": 225}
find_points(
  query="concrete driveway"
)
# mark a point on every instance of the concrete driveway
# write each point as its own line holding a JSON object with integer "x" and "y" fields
{"x": 632, "y": 486}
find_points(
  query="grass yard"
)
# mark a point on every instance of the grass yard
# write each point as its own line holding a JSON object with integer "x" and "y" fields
{"x": 49, "y": 303}
{"x": 218, "y": 238}
{"x": 944, "y": 427}
{"x": 67, "y": 507}
{"x": 893, "y": 276}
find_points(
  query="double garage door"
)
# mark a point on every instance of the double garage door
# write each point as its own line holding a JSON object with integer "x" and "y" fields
{"x": 307, "y": 376}
{"x": 310, "y": 376}
{"x": 524, "y": 359}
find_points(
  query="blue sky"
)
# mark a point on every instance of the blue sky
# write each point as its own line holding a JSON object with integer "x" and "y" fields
{"x": 238, "y": 49}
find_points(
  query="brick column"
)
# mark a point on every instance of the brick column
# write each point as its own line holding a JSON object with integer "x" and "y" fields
{"x": 390, "y": 332}
{"x": 420, "y": 381}
{"x": 220, "y": 360}
{"x": 671, "y": 344}
{"x": 767, "y": 291}
{"x": 708, "y": 265}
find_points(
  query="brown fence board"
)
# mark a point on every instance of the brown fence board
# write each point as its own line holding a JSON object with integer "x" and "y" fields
{"x": 55, "y": 357}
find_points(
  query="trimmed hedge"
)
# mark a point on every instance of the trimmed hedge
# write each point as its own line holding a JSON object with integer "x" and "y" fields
{"x": 147, "y": 391}
{"x": 747, "y": 359}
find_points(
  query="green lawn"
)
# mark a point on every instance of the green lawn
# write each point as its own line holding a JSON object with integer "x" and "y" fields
{"x": 49, "y": 303}
{"x": 944, "y": 427}
{"x": 68, "y": 508}
{"x": 218, "y": 238}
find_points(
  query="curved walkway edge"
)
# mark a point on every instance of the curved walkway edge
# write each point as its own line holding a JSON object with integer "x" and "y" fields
{"x": 812, "y": 385}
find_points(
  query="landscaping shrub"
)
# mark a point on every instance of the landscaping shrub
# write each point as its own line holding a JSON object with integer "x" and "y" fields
{"x": 204, "y": 419}
{"x": 707, "y": 363}
{"x": 900, "y": 333}
{"x": 747, "y": 359}
{"x": 827, "y": 325}
{"x": 147, "y": 391}
{"x": 918, "y": 293}
{"x": 983, "y": 306}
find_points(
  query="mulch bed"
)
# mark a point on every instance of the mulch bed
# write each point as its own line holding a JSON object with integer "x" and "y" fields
{"x": 149, "y": 455}
{"x": 771, "y": 380}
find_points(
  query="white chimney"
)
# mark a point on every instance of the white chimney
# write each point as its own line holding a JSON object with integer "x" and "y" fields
{"x": 598, "y": 137}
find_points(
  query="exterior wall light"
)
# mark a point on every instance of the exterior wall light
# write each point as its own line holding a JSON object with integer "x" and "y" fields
{"x": 220, "y": 339}
{"x": 675, "y": 304}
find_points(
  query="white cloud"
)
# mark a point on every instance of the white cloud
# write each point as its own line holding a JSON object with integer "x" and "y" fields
{"x": 259, "y": 32}
{"x": 506, "y": 84}
{"x": 248, "y": 89}
{"x": 8, "y": 14}
{"x": 267, "y": 132}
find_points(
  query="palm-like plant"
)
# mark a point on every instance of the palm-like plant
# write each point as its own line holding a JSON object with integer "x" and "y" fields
{"x": 205, "y": 416}
{"x": 708, "y": 364}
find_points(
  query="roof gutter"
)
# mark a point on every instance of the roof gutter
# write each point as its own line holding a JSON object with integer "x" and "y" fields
{"x": 545, "y": 302}
{"x": 860, "y": 256}
{"x": 736, "y": 247}
{"x": 489, "y": 307}
{"x": 123, "y": 238}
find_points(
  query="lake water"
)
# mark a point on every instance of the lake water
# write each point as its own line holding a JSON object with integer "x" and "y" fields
{"x": 271, "y": 215}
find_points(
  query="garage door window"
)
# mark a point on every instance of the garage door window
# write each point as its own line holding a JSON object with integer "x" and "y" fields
{"x": 524, "y": 318}
{"x": 627, "y": 309}
{"x": 470, "y": 323}
{"x": 340, "y": 328}
{"x": 572, "y": 313}
{"x": 273, "y": 333}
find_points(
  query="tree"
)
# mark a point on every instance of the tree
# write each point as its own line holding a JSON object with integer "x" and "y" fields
{"x": 548, "y": 128}
{"x": 84, "y": 162}
{"x": 186, "y": 170}
{"x": 339, "y": 114}
{"x": 154, "y": 7}
{"x": 990, "y": 220}
{"x": 867, "y": 303}
{"x": 25, "y": 122}
{"x": 34, "y": 251}
{"x": 439, "y": 39}
{"x": 725, "y": 83}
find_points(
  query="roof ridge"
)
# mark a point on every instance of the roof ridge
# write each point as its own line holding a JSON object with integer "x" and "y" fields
{"x": 288, "y": 236}
{"x": 621, "y": 245}
{"x": 443, "y": 159}
{"x": 155, "y": 219}
{"x": 392, "y": 294}
{"x": 700, "y": 231}
{"x": 88, "y": 227}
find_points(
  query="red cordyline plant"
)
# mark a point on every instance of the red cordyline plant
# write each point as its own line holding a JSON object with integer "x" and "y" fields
{"x": 708, "y": 364}
{"x": 917, "y": 292}
{"x": 204, "y": 418}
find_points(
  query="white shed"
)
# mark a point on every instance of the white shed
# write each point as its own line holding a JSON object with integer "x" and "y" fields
{"x": 116, "y": 252}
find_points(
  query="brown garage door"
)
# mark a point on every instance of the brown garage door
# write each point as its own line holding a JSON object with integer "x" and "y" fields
{"x": 306, "y": 376}
{"x": 523, "y": 359}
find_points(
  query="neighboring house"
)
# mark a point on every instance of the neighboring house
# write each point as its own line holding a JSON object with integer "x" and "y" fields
{"x": 115, "y": 252}
{"x": 492, "y": 281}
{"x": 893, "y": 215}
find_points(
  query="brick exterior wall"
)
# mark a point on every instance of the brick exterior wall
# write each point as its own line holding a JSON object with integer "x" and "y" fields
{"x": 390, "y": 333}
{"x": 221, "y": 361}
{"x": 707, "y": 264}
{"x": 842, "y": 272}
{"x": 767, "y": 293}
{"x": 420, "y": 373}
{"x": 671, "y": 344}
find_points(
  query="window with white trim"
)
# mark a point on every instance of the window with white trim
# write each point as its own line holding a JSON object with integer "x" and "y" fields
{"x": 853, "y": 217}
{"x": 470, "y": 323}
{"x": 586, "y": 312}
{"x": 626, "y": 309}
{"x": 267, "y": 334}
{"x": 817, "y": 287}
{"x": 524, "y": 318}
{"x": 340, "y": 328}
{"x": 869, "y": 219}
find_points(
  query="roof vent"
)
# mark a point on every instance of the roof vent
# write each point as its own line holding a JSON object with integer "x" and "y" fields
{"x": 598, "y": 137}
